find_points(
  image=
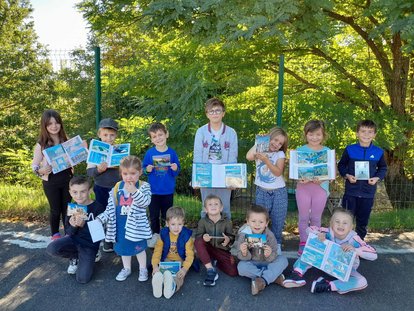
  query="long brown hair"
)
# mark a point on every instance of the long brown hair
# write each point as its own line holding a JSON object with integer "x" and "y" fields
{"x": 45, "y": 140}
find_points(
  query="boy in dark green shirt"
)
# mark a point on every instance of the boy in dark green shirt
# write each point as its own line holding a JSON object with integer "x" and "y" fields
{"x": 214, "y": 237}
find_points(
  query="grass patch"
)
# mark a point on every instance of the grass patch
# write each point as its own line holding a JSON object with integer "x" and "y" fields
{"x": 398, "y": 220}
{"x": 17, "y": 202}
{"x": 21, "y": 202}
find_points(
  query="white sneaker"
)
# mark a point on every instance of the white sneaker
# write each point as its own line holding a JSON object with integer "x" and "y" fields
{"x": 169, "y": 284}
{"x": 157, "y": 282}
{"x": 151, "y": 242}
{"x": 98, "y": 256}
{"x": 143, "y": 275}
{"x": 73, "y": 266}
{"x": 123, "y": 274}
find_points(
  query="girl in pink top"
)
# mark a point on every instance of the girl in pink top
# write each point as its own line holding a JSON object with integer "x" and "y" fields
{"x": 55, "y": 186}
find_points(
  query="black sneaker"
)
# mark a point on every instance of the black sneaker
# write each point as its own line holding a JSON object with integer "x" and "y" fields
{"x": 211, "y": 278}
{"x": 108, "y": 247}
{"x": 295, "y": 279}
{"x": 320, "y": 285}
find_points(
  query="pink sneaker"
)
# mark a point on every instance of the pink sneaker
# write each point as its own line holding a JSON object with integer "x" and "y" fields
{"x": 301, "y": 247}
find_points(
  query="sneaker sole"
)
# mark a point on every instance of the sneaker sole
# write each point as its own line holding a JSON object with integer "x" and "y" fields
{"x": 351, "y": 290}
{"x": 293, "y": 284}
{"x": 157, "y": 282}
{"x": 314, "y": 284}
{"x": 214, "y": 281}
{"x": 169, "y": 287}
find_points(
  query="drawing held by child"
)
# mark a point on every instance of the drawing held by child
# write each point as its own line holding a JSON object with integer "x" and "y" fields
{"x": 216, "y": 143}
{"x": 55, "y": 186}
{"x": 174, "y": 244}
{"x": 78, "y": 245}
{"x": 340, "y": 232}
{"x": 265, "y": 267}
{"x": 162, "y": 166}
{"x": 105, "y": 177}
{"x": 271, "y": 191}
{"x": 213, "y": 238}
{"x": 359, "y": 194}
{"x": 311, "y": 195}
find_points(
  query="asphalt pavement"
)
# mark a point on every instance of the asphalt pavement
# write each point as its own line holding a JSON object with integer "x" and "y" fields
{"x": 32, "y": 280}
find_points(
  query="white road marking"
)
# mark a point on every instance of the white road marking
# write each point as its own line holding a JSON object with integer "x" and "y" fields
{"x": 26, "y": 239}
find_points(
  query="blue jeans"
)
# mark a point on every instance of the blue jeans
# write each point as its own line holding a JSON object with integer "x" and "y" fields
{"x": 66, "y": 248}
{"x": 266, "y": 270}
{"x": 276, "y": 203}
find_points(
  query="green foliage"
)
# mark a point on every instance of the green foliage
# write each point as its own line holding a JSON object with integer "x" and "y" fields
{"x": 18, "y": 169}
{"x": 162, "y": 59}
{"x": 25, "y": 84}
{"x": 22, "y": 202}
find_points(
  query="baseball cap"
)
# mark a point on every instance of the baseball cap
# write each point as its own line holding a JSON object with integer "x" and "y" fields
{"x": 108, "y": 123}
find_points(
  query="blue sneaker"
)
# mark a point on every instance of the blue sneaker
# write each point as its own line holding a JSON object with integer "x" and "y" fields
{"x": 211, "y": 278}
{"x": 320, "y": 285}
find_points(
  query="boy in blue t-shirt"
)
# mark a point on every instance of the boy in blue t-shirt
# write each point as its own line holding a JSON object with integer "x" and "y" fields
{"x": 161, "y": 165}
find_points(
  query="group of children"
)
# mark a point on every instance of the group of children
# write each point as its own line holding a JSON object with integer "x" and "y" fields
{"x": 122, "y": 201}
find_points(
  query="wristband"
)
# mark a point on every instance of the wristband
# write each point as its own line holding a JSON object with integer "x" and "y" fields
{"x": 36, "y": 171}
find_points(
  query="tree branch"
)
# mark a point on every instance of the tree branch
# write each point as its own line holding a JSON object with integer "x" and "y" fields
{"x": 309, "y": 85}
{"x": 376, "y": 49}
{"x": 376, "y": 101}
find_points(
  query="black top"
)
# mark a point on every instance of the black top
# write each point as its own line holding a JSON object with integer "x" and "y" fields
{"x": 82, "y": 236}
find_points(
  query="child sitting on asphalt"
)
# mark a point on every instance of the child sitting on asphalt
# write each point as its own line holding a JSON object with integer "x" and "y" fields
{"x": 78, "y": 245}
{"x": 340, "y": 232}
{"x": 213, "y": 238}
{"x": 174, "y": 244}
{"x": 261, "y": 262}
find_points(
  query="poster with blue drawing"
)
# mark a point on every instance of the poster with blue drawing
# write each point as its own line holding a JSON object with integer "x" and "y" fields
{"x": 66, "y": 155}
{"x": 219, "y": 175}
{"x": 202, "y": 175}
{"x": 262, "y": 143}
{"x": 309, "y": 165}
{"x": 100, "y": 151}
{"x": 328, "y": 257}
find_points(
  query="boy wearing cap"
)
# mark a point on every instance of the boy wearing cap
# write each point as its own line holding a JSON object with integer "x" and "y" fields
{"x": 105, "y": 177}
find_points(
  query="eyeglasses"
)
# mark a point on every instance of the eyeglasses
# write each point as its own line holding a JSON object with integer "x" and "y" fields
{"x": 215, "y": 111}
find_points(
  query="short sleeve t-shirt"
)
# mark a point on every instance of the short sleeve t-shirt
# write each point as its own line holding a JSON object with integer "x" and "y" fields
{"x": 264, "y": 177}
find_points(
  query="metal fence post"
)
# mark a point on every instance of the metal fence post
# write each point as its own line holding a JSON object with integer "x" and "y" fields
{"x": 97, "y": 84}
{"x": 280, "y": 90}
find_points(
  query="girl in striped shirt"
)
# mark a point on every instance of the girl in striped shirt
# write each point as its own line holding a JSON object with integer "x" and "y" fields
{"x": 126, "y": 218}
